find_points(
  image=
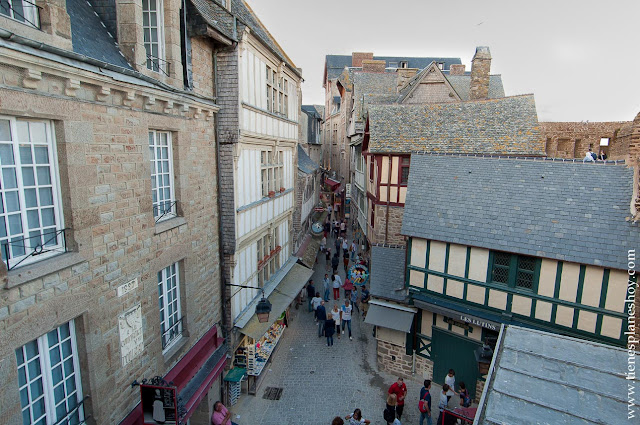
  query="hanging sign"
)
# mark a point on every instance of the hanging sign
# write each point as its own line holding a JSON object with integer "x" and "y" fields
{"x": 358, "y": 274}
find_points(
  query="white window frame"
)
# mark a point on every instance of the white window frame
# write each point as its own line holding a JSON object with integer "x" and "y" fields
{"x": 27, "y": 220}
{"x": 45, "y": 375}
{"x": 163, "y": 208}
{"x": 30, "y": 15}
{"x": 168, "y": 282}
{"x": 160, "y": 64}
{"x": 271, "y": 171}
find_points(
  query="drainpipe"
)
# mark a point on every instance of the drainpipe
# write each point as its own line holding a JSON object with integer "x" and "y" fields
{"x": 386, "y": 221}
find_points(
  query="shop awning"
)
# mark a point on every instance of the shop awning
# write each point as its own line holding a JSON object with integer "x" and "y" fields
{"x": 309, "y": 250}
{"x": 280, "y": 299}
{"x": 332, "y": 183}
{"x": 388, "y": 315}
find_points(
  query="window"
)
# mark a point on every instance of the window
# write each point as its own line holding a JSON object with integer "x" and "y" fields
{"x": 268, "y": 259}
{"x": 153, "y": 29}
{"x": 441, "y": 65}
{"x": 169, "y": 303}
{"x": 404, "y": 169}
{"x": 49, "y": 379}
{"x": 162, "y": 190}
{"x": 404, "y": 64}
{"x": 21, "y": 10}
{"x": 604, "y": 141}
{"x": 371, "y": 167}
{"x": 277, "y": 93}
{"x": 31, "y": 226}
{"x": 271, "y": 171}
{"x": 514, "y": 270}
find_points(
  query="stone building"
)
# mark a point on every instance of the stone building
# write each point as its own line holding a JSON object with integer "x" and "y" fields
{"x": 482, "y": 252}
{"x": 311, "y": 131}
{"x": 574, "y": 139}
{"x": 110, "y": 234}
{"x": 308, "y": 185}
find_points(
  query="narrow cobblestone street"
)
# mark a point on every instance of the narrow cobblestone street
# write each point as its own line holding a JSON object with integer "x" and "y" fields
{"x": 322, "y": 382}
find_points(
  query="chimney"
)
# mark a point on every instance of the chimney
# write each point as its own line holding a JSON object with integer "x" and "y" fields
{"x": 480, "y": 67}
{"x": 404, "y": 75}
{"x": 457, "y": 69}
{"x": 358, "y": 57}
{"x": 373, "y": 66}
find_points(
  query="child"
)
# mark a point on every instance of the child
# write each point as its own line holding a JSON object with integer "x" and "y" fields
{"x": 465, "y": 397}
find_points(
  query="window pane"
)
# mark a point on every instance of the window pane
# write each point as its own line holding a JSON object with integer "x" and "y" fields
{"x": 500, "y": 274}
{"x": 501, "y": 258}
{"x": 5, "y": 131}
{"x": 44, "y": 175}
{"x": 15, "y": 224}
{"x": 65, "y": 331}
{"x": 36, "y": 388}
{"x": 33, "y": 219}
{"x": 48, "y": 218}
{"x": 12, "y": 201}
{"x": 25, "y": 155}
{"x": 38, "y": 132}
{"x": 28, "y": 178}
{"x": 46, "y": 196}
{"x": 30, "y": 198}
{"x": 6, "y": 154}
{"x": 9, "y": 178}
{"x": 526, "y": 263}
{"x": 42, "y": 154}
{"x": 54, "y": 356}
{"x": 23, "y": 131}
{"x": 524, "y": 279}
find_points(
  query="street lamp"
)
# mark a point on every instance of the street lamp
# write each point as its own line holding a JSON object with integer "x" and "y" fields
{"x": 264, "y": 306}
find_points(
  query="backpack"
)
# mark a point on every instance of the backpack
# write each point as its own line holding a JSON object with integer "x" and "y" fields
{"x": 422, "y": 404}
{"x": 388, "y": 415}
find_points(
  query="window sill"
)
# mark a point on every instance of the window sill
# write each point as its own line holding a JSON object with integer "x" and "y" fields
{"x": 174, "y": 350}
{"x": 42, "y": 268}
{"x": 263, "y": 200}
{"x": 168, "y": 224}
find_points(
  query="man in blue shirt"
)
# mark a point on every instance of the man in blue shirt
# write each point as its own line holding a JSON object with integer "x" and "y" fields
{"x": 426, "y": 396}
{"x": 321, "y": 315}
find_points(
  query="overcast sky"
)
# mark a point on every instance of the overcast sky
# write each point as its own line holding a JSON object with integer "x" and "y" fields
{"x": 581, "y": 59}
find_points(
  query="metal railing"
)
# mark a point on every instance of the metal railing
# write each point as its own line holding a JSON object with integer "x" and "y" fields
{"x": 154, "y": 63}
{"x": 165, "y": 208}
{"x": 38, "y": 249}
{"x": 69, "y": 420}
{"x": 172, "y": 333}
{"x": 7, "y": 7}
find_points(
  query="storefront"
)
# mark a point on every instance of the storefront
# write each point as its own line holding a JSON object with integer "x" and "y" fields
{"x": 259, "y": 344}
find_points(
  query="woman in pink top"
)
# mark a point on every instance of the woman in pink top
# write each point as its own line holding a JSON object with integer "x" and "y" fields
{"x": 221, "y": 415}
{"x": 348, "y": 287}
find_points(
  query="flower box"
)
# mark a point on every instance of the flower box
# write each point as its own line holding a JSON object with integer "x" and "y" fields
{"x": 282, "y": 189}
{"x": 272, "y": 194}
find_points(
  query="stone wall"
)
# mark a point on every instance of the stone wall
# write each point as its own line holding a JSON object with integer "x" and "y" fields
{"x": 377, "y": 233}
{"x": 394, "y": 360}
{"x": 202, "y": 67}
{"x": 480, "y": 68}
{"x": 358, "y": 57}
{"x": 573, "y": 139}
{"x": 373, "y": 65}
{"x": 101, "y": 132}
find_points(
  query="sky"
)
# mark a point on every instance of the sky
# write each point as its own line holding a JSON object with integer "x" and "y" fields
{"x": 581, "y": 59}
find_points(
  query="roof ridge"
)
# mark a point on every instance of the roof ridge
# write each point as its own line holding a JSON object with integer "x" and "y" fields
{"x": 520, "y": 157}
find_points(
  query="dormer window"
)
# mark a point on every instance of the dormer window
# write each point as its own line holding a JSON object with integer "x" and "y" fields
{"x": 404, "y": 64}
{"x": 441, "y": 65}
{"x": 153, "y": 28}
{"x": 21, "y": 10}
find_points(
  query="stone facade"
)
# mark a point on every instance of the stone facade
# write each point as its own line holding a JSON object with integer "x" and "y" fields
{"x": 573, "y": 139}
{"x": 379, "y": 233}
{"x": 393, "y": 359}
{"x": 480, "y": 67}
{"x": 202, "y": 67}
{"x": 102, "y": 143}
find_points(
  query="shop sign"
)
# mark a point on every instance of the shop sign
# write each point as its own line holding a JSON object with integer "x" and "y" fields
{"x": 348, "y": 190}
{"x": 478, "y": 322}
{"x": 159, "y": 404}
{"x": 462, "y": 325}
{"x": 459, "y": 317}
{"x": 131, "y": 339}
{"x": 127, "y": 287}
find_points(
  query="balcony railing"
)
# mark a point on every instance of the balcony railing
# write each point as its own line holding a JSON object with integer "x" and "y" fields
{"x": 159, "y": 65}
{"x": 54, "y": 241}
{"x": 165, "y": 210}
{"x": 73, "y": 417}
{"x": 171, "y": 334}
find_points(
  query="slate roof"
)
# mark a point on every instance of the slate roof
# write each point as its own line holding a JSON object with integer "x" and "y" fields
{"x": 311, "y": 110}
{"x": 216, "y": 16}
{"x": 89, "y": 37}
{"x": 566, "y": 211}
{"x": 387, "y": 273}
{"x": 544, "y": 378}
{"x": 305, "y": 164}
{"x": 461, "y": 84}
{"x": 335, "y": 64}
{"x": 505, "y": 126}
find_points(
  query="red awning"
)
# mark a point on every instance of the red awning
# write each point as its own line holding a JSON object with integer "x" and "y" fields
{"x": 192, "y": 370}
{"x": 332, "y": 184}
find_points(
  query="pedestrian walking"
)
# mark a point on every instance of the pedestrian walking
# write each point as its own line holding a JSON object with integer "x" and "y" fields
{"x": 321, "y": 315}
{"x": 311, "y": 291}
{"x": 348, "y": 287}
{"x": 345, "y": 248}
{"x": 327, "y": 286}
{"x": 323, "y": 244}
{"x": 390, "y": 410}
{"x": 330, "y": 330}
{"x": 337, "y": 421}
{"x": 315, "y": 303}
{"x": 327, "y": 258}
{"x": 338, "y": 243}
{"x": 364, "y": 298}
{"x": 442, "y": 404}
{"x": 356, "y": 418}
{"x": 337, "y": 282}
{"x": 400, "y": 390}
{"x": 354, "y": 299}
{"x": 336, "y": 315}
{"x": 346, "y": 317}
{"x": 345, "y": 262}
{"x": 336, "y": 228}
{"x": 354, "y": 249}
{"x": 334, "y": 262}
{"x": 343, "y": 227}
{"x": 450, "y": 380}
{"x": 425, "y": 403}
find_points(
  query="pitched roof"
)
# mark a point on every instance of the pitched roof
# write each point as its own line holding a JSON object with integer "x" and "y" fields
{"x": 216, "y": 16}
{"x": 516, "y": 392}
{"x": 505, "y": 126}
{"x": 387, "y": 272}
{"x": 305, "y": 164}
{"x": 311, "y": 110}
{"x": 335, "y": 64}
{"x": 89, "y": 37}
{"x": 566, "y": 211}
{"x": 461, "y": 84}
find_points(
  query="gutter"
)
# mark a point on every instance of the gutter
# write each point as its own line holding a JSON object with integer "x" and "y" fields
{"x": 12, "y": 37}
